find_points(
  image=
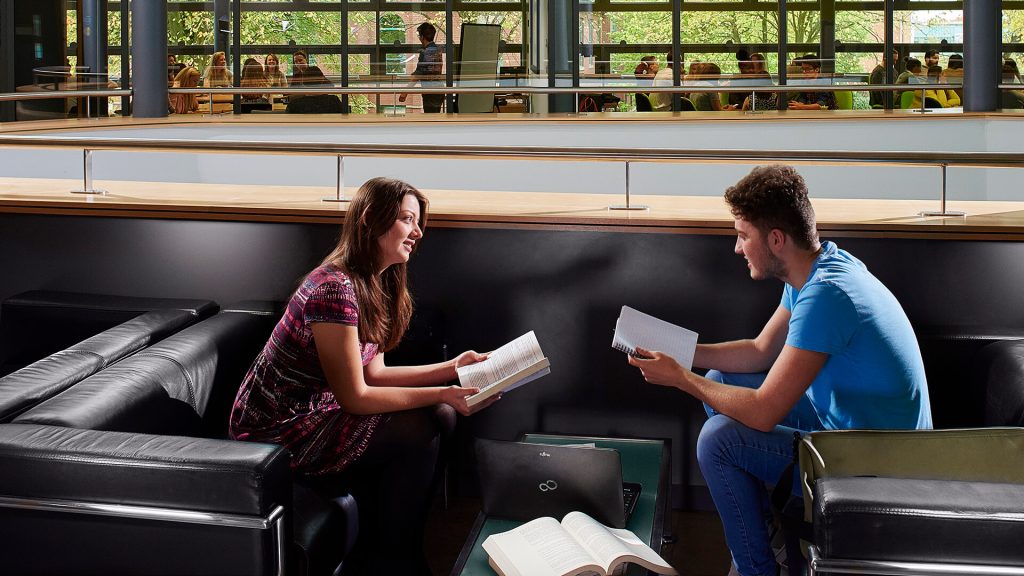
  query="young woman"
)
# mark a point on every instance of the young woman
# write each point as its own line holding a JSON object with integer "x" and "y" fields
{"x": 253, "y": 76}
{"x": 320, "y": 386}
{"x": 188, "y": 77}
{"x": 272, "y": 68}
{"x": 217, "y": 74}
{"x": 708, "y": 74}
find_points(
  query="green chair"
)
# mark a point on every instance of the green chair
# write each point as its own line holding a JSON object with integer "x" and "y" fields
{"x": 907, "y": 100}
{"x": 844, "y": 100}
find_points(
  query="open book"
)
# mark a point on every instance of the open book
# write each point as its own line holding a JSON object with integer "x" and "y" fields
{"x": 634, "y": 328}
{"x": 514, "y": 364}
{"x": 576, "y": 545}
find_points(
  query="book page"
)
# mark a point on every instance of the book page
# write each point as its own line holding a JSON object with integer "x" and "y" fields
{"x": 634, "y": 328}
{"x": 642, "y": 554}
{"x": 595, "y": 537}
{"x": 513, "y": 357}
{"x": 540, "y": 547}
{"x": 613, "y": 546}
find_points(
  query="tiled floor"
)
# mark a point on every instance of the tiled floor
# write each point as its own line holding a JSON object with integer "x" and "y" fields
{"x": 699, "y": 548}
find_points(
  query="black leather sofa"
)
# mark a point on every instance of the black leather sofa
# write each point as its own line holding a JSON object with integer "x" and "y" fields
{"x": 128, "y": 472}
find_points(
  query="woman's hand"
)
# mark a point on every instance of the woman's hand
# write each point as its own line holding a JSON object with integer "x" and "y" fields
{"x": 455, "y": 396}
{"x": 658, "y": 368}
{"x": 465, "y": 359}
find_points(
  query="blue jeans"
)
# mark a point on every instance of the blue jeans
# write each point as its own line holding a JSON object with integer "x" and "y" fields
{"x": 737, "y": 463}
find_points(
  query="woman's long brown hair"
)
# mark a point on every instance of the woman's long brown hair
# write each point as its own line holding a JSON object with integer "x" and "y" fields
{"x": 385, "y": 305}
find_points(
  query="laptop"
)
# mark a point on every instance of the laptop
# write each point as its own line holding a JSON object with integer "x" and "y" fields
{"x": 523, "y": 481}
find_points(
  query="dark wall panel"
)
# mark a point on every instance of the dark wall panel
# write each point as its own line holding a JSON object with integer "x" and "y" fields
{"x": 480, "y": 288}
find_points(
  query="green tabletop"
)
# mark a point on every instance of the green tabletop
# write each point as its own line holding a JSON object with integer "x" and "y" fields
{"x": 643, "y": 461}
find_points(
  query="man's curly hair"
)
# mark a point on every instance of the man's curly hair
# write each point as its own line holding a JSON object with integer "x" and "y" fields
{"x": 775, "y": 197}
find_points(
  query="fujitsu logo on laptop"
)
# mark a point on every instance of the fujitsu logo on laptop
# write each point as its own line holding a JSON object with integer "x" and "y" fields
{"x": 549, "y": 486}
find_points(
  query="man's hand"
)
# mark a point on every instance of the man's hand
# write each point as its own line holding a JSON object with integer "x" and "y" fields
{"x": 658, "y": 368}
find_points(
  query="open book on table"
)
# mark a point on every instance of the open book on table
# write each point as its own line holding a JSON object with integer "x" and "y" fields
{"x": 514, "y": 364}
{"x": 576, "y": 545}
{"x": 635, "y": 329}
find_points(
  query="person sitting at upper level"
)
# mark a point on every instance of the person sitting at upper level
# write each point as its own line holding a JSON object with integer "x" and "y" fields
{"x": 944, "y": 98}
{"x": 300, "y": 61}
{"x": 955, "y": 73}
{"x": 188, "y": 77}
{"x": 272, "y": 68}
{"x": 810, "y": 66}
{"x": 877, "y": 97}
{"x": 662, "y": 101}
{"x": 217, "y": 74}
{"x": 1011, "y": 99}
{"x": 745, "y": 65}
{"x": 912, "y": 75}
{"x": 707, "y": 74}
{"x": 313, "y": 103}
{"x": 759, "y": 71}
{"x": 253, "y": 76}
{"x": 647, "y": 68}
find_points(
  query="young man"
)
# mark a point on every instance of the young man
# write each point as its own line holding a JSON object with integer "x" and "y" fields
{"x": 839, "y": 353}
{"x": 877, "y": 99}
{"x": 810, "y": 65}
{"x": 428, "y": 65}
{"x": 931, "y": 58}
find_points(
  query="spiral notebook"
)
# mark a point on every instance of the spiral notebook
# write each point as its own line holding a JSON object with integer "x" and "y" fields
{"x": 634, "y": 328}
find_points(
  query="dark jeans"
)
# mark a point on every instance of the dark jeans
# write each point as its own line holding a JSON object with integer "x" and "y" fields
{"x": 432, "y": 103}
{"x": 737, "y": 463}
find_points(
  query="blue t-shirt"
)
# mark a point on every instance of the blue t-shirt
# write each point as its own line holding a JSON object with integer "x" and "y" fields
{"x": 874, "y": 376}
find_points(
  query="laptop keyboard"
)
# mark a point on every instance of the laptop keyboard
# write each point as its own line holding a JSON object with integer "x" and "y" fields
{"x": 630, "y": 495}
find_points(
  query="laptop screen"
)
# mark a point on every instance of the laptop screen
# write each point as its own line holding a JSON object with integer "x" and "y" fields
{"x": 523, "y": 481}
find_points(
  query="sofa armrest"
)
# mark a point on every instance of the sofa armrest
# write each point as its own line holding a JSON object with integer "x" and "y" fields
{"x": 218, "y": 476}
{"x": 37, "y": 323}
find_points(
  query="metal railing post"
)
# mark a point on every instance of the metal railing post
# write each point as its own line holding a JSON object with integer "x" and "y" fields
{"x": 923, "y": 109}
{"x": 87, "y": 187}
{"x": 627, "y": 205}
{"x": 942, "y": 199}
{"x": 339, "y": 193}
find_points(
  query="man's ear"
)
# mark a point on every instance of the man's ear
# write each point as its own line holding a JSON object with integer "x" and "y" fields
{"x": 776, "y": 239}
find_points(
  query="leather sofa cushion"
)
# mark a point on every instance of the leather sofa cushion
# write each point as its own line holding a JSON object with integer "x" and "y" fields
{"x": 911, "y": 520}
{"x": 143, "y": 470}
{"x": 37, "y": 323}
{"x": 45, "y": 378}
{"x": 181, "y": 385}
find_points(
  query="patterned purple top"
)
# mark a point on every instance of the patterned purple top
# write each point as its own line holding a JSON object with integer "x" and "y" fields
{"x": 285, "y": 398}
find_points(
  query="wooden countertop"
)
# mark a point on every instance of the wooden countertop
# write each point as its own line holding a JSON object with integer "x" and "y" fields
{"x": 44, "y": 126}
{"x": 667, "y": 214}
{"x": 483, "y": 209}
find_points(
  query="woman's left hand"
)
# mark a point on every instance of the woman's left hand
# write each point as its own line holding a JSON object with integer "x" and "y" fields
{"x": 466, "y": 358}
